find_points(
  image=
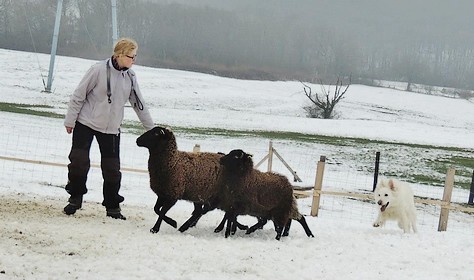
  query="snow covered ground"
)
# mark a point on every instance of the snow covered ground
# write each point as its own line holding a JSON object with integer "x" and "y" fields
{"x": 39, "y": 242}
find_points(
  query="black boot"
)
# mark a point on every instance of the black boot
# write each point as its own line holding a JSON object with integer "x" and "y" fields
{"x": 115, "y": 213}
{"x": 75, "y": 203}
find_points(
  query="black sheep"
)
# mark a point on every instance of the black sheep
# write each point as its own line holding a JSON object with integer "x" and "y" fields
{"x": 248, "y": 191}
{"x": 176, "y": 175}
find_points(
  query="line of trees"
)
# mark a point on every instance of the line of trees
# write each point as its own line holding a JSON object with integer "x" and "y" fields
{"x": 419, "y": 41}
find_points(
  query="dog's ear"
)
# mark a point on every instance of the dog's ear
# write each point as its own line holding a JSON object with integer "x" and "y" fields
{"x": 391, "y": 184}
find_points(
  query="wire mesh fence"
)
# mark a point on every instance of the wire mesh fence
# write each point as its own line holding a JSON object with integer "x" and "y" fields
{"x": 34, "y": 157}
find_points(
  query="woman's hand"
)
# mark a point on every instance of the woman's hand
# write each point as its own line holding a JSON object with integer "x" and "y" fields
{"x": 69, "y": 129}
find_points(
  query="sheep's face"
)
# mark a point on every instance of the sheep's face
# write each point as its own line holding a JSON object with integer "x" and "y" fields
{"x": 237, "y": 160}
{"x": 154, "y": 137}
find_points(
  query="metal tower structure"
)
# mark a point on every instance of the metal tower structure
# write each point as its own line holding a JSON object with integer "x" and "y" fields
{"x": 54, "y": 44}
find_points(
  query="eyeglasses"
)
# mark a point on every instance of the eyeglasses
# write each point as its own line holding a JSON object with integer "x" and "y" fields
{"x": 132, "y": 57}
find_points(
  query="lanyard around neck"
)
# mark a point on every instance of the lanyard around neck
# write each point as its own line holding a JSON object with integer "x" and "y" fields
{"x": 109, "y": 92}
{"x": 132, "y": 90}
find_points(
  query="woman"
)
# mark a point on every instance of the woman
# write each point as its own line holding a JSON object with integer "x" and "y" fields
{"x": 96, "y": 108}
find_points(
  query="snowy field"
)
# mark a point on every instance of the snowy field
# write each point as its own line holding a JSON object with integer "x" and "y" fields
{"x": 39, "y": 242}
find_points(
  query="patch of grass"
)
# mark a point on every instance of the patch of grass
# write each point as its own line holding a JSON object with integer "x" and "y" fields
{"x": 456, "y": 161}
{"x": 463, "y": 165}
{"x": 460, "y": 159}
{"x": 464, "y": 161}
{"x": 304, "y": 137}
{"x": 426, "y": 180}
{"x": 297, "y": 137}
{"x": 28, "y": 109}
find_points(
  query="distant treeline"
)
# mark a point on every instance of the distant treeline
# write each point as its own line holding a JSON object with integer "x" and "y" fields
{"x": 418, "y": 41}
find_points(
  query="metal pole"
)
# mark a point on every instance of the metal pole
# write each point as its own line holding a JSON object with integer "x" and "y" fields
{"x": 470, "y": 201}
{"x": 114, "y": 22}
{"x": 376, "y": 172}
{"x": 54, "y": 45}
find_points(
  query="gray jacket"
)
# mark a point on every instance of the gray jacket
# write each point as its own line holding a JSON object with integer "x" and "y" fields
{"x": 90, "y": 106}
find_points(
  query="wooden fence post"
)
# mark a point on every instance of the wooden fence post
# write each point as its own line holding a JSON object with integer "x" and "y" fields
{"x": 270, "y": 157}
{"x": 448, "y": 190}
{"x": 197, "y": 149}
{"x": 376, "y": 172}
{"x": 318, "y": 184}
{"x": 470, "y": 201}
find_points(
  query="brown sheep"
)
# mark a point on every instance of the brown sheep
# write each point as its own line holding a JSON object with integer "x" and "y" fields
{"x": 265, "y": 195}
{"x": 179, "y": 175}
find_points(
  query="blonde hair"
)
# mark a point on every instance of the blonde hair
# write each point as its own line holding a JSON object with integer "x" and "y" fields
{"x": 124, "y": 46}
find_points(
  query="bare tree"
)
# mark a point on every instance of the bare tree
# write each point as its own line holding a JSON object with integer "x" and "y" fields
{"x": 323, "y": 103}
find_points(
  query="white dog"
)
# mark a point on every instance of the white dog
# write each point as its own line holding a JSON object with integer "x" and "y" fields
{"x": 395, "y": 201}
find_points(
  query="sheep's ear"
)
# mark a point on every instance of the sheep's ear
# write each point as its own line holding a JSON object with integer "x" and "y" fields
{"x": 158, "y": 131}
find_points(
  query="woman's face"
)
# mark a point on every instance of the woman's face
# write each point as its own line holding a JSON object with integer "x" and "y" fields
{"x": 127, "y": 60}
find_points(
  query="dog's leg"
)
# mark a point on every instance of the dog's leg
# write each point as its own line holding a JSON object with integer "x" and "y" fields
{"x": 404, "y": 222}
{"x": 404, "y": 225}
{"x": 413, "y": 218}
{"x": 413, "y": 223}
{"x": 380, "y": 221}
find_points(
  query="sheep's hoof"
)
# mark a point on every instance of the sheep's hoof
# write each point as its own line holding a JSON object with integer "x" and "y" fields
{"x": 241, "y": 226}
{"x": 184, "y": 227}
{"x": 173, "y": 224}
{"x": 153, "y": 230}
{"x": 250, "y": 230}
{"x": 168, "y": 220}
